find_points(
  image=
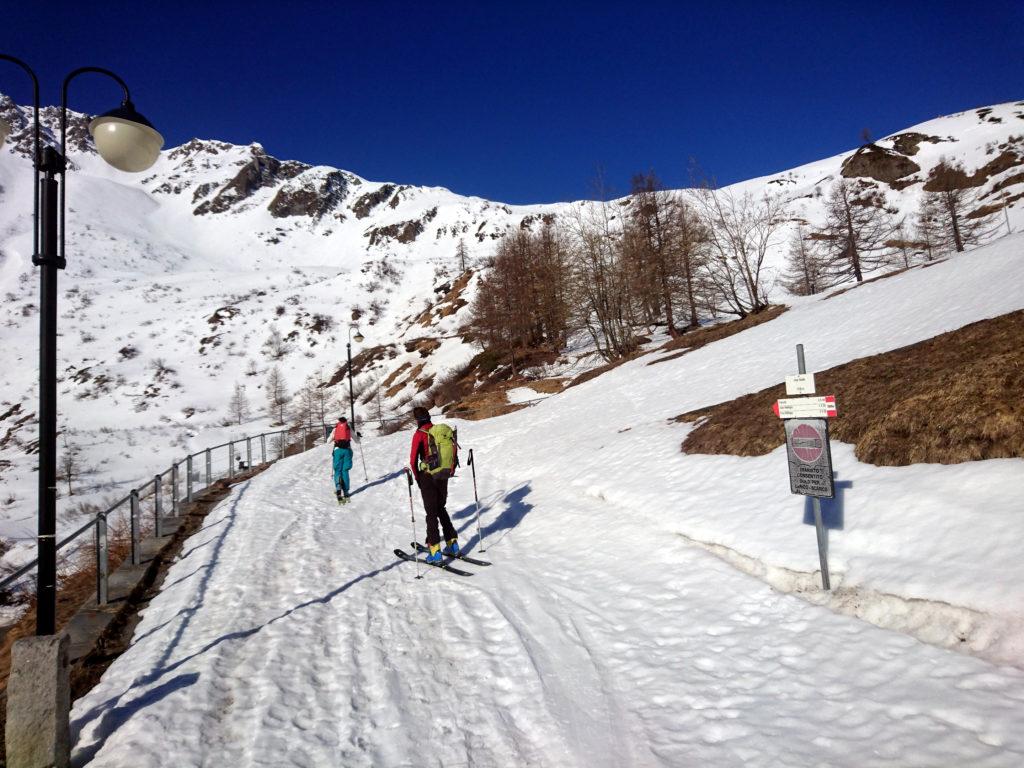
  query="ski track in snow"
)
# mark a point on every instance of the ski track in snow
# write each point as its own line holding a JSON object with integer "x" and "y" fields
{"x": 288, "y": 635}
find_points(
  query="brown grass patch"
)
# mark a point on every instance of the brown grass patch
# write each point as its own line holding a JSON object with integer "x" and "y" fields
{"x": 701, "y": 337}
{"x": 946, "y": 400}
{"x": 485, "y": 404}
{"x": 492, "y": 399}
{"x": 546, "y": 386}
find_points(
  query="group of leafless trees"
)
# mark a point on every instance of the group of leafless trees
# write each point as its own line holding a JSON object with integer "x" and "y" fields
{"x": 608, "y": 268}
{"x": 664, "y": 258}
{"x": 861, "y": 233}
{"x": 313, "y": 403}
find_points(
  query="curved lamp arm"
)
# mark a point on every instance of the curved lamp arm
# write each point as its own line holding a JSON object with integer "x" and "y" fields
{"x": 64, "y": 124}
{"x": 35, "y": 149}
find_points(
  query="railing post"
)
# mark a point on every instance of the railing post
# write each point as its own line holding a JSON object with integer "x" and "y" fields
{"x": 263, "y": 447}
{"x": 248, "y": 452}
{"x": 174, "y": 490}
{"x": 134, "y": 511}
{"x": 231, "y": 459}
{"x": 209, "y": 469}
{"x": 158, "y": 511}
{"x": 188, "y": 479}
{"x": 102, "y": 559}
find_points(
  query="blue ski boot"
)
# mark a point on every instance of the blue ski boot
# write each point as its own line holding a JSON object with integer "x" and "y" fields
{"x": 453, "y": 547}
{"x": 435, "y": 554}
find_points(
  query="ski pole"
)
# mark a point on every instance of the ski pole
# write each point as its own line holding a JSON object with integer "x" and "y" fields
{"x": 412, "y": 517}
{"x": 479, "y": 533}
{"x": 362, "y": 458}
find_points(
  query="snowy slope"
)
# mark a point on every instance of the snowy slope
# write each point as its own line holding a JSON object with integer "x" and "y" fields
{"x": 175, "y": 278}
{"x": 599, "y": 637}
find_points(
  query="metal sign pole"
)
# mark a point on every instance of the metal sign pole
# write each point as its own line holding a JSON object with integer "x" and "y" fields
{"x": 819, "y": 527}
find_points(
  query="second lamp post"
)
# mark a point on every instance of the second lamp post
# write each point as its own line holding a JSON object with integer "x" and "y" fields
{"x": 351, "y": 397}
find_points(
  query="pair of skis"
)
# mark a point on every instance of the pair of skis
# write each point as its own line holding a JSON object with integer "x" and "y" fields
{"x": 446, "y": 565}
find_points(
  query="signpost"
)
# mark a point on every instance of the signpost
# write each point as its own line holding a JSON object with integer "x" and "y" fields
{"x": 807, "y": 447}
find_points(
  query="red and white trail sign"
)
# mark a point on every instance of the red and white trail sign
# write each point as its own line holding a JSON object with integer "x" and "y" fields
{"x": 806, "y": 407}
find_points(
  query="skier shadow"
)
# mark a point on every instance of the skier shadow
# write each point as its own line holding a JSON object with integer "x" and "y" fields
{"x": 113, "y": 717}
{"x": 379, "y": 481}
{"x": 119, "y": 715}
{"x": 516, "y": 508}
{"x": 833, "y": 511}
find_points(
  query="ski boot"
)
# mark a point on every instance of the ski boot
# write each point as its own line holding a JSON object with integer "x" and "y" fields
{"x": 346, "y": 499}
{"x": 338, "y": 496}
{"x": 453, "y": 548}
{"x": 434, "y": 556}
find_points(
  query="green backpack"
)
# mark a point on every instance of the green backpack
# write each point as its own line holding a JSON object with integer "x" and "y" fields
{"x": 442, "y": 450}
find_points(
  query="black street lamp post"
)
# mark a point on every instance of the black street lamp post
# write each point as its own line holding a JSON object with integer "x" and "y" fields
{"x": 127, "y": 141}
{"x": 351, "y": 397}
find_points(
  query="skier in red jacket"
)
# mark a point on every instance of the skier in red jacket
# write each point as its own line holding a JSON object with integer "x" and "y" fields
{"x": 433, "y": 489}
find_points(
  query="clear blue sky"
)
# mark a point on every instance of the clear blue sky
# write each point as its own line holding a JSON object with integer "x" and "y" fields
{"x": 523, "y": 101}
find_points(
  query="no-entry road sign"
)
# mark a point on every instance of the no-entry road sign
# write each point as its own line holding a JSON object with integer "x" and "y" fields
{"x": 810, "y": 460}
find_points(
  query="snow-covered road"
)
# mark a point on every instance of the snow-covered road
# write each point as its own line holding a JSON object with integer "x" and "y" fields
{"x": 288, "y": 634}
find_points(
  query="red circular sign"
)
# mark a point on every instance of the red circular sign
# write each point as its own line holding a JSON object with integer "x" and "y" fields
{"x": 808, "y": 443}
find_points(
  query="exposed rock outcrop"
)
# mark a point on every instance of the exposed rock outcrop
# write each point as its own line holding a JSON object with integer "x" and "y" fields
{"x": 261, "y": 171}
{"x": 875, "y": 162}
{"x": 315, "y": 198}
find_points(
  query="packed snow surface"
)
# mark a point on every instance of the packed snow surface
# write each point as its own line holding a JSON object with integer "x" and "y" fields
{"x": 644, "y": 608}
{"x": 288, "y": 634}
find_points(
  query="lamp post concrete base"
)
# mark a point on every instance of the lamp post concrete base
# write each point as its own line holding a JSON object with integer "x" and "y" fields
{"x": 39, "y": 703}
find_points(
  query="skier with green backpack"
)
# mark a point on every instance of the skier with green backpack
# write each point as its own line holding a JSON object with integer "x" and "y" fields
{"x": 433, "y": 459}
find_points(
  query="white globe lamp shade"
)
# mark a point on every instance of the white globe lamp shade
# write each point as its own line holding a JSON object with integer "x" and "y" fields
{"x": 5, "y": 131}
{"x": 125, "y": 139}
{"x": 358, "y": 337}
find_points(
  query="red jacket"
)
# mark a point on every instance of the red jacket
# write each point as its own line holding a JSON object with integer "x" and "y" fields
{"x": 342, "y": 432}
{"x": 420, "y": 447}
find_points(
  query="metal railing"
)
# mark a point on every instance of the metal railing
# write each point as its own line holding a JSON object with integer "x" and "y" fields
{"x": 179, "y": 483}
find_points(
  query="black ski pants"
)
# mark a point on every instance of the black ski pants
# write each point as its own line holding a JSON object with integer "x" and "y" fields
{"x": 434, "y": 491}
